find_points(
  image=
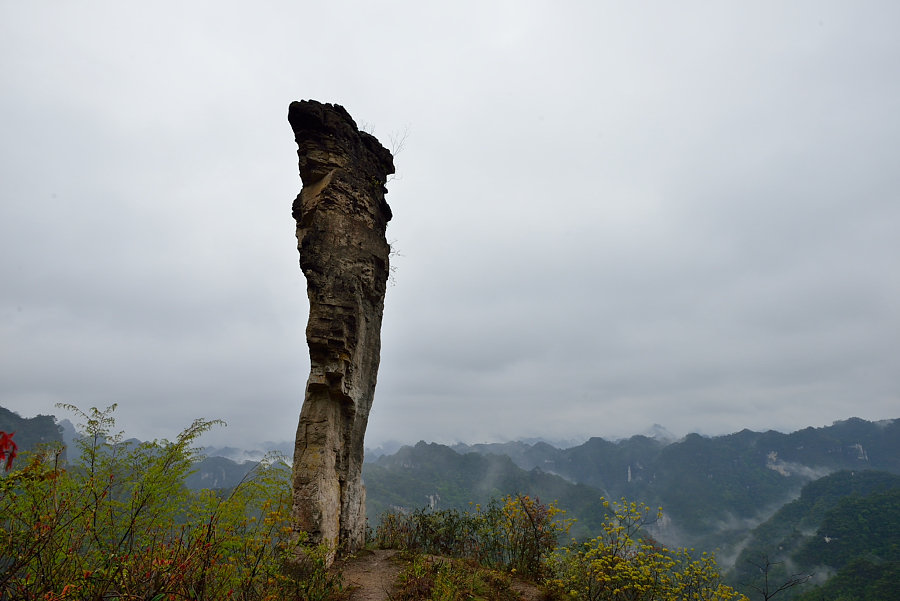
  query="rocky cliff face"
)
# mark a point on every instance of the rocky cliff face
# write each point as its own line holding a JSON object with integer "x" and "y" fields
{"x": 341, "y": 218}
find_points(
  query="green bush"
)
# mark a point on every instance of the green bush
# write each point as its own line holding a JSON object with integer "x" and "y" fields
{"x": 519, "y": 535}
{"x": 623, "y": 564}
{"x": 119, "y": 523}
{"x": 513, "y": 533}
{"x": 441, "y": 579}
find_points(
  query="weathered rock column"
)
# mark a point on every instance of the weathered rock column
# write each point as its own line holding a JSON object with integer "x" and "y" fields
{"x": 341, "y": 218}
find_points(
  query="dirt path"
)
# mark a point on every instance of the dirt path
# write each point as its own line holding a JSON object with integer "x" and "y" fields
{"x": 370, "y": 576}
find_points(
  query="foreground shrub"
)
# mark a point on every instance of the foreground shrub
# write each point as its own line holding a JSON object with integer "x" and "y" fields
{"x": 430, "y": 578}
{"x": 621, "y": 564}
{"x": 519, "y": 535}
{"x": 119, "y": 523}
{"x": 513, "y": 533}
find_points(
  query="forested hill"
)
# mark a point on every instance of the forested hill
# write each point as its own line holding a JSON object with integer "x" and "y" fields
{"x": 714, "y": 489}
{"x": 435, "y": 476}
{"x": 849, "y": 444}
{"x": 845, "y": 525}
{"x": 858, "y": 542}
{"x": 32, "y": 431}
{"x": 824, "y": 501}
{"x": 210, "y": 472}
{"x": 704, "y": 482}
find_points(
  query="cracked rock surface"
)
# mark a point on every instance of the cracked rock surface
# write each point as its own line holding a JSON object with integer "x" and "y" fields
{"x": 341, "y": 217}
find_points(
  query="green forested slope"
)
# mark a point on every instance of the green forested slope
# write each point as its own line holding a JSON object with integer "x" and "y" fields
{"x": 860, "y": 539}
{"x": 844, "y": 522}
{"x": 715, "y": 489}
{"x": 435, "y": 475}
{"x": 30, "y": 432}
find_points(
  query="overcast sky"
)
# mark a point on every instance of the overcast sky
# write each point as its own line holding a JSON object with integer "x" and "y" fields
{"x": 608, "y": 214}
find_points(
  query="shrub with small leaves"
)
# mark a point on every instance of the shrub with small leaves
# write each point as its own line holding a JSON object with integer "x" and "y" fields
{"x": 622, "y": 564}
{"x": 119, "y": 523}
{"x": 443, "y": 579}
{"x": 513, "y": 533}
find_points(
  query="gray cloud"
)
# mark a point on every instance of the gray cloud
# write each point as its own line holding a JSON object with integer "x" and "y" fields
{"x": 607, "y": 217}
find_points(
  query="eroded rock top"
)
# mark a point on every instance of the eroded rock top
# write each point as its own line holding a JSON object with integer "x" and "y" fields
{"x": 329, "y": 143}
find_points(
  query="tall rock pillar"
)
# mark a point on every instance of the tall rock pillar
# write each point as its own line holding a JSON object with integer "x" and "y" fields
{"x": 341, "y": 218}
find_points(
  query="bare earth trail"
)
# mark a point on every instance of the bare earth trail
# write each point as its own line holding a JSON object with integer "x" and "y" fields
{"x": 371, "y": 575}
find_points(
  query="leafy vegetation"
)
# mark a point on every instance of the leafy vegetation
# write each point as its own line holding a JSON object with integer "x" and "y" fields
{"x": 836, "y": 519}
{"x": 434, "y": 475}
{"x": 857, "y": 527}
{"x": 859, "y": 538}
{"x": 859, "y": 580}
{"x": 126, "y": 519}
{"x": 442, "y": 579}
{"x": 218, "y": 473}
{"x": 118, "y": 523}
{"x": 623, "y": 563}
{"x": 519, "y": 535}
{"x": 714, "y": 488}
{"x": 514, "y": 533}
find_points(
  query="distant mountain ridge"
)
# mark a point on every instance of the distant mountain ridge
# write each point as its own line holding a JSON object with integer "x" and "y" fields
{"x": 436, "y": 476}
{"x": 824, "y": 500}
{"x": 714, "y": 490}
{"x": 210, "y": 472}
{"x": 724, "y": 493}
{"x": 696, "y": 465}
{"x": 30, "y": 431}
{"x": 842, "y": 445}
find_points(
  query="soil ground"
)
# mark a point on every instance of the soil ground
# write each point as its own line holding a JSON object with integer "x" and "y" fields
{"x": 371, "y": 576}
